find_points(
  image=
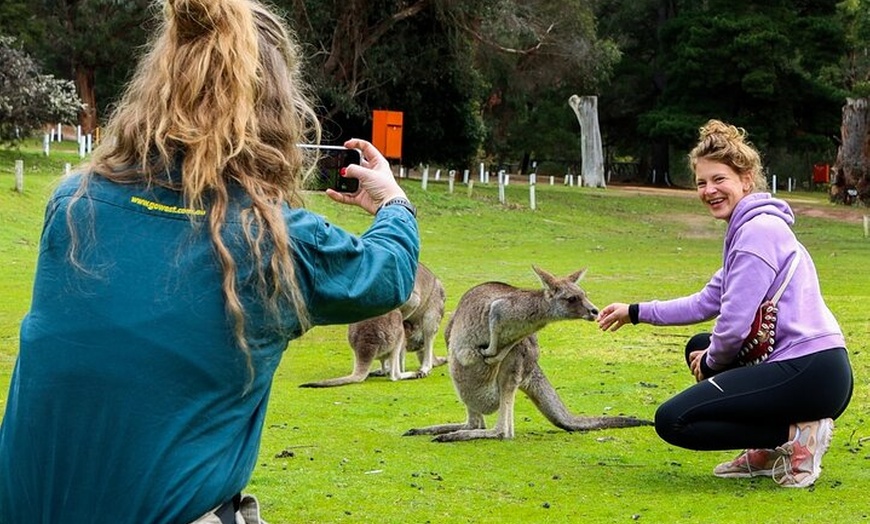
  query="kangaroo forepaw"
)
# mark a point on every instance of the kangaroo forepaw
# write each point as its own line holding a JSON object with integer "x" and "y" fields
{"x": 495, "y": 359}
{"x": 488, "y": 351}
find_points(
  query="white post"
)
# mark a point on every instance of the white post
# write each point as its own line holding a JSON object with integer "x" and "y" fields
{"x": 437, "y": 175}
{"x": 66, "y": 168}
{"x": 773, "y": 188}
{"x": 481, "y": 172}
{"x": 19, "y": 176}
{"x": 90, "y": 142}
{"x": 465, "y": 176}
{"x": 866, "y": 226}
{"x": 46, "y": 141}
{"x": 51, "y": 134}
{"x": 450, "y": 176}
{"x": 78, "y": 132}
{"x": 402, "y": 172}
{"x": 59, "y": 133}
{"x": 501, "y": 186}
{"x": 470, "y": 188}
{"x": 82, "y": 147}
{"x": 552, "y": 180}
{"x": 425, "y": 177}
{"x": 532, "y": 180}
{"x": 507, "y": 180}
{"x": 580, "y": 180}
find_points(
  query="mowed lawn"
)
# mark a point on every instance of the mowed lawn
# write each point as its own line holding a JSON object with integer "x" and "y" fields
{"x": 338, "y": 454}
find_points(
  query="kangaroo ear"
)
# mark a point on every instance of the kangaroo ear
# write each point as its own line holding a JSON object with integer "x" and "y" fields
{"x": 577, "y": 276}
{"x": 547, "y": 279}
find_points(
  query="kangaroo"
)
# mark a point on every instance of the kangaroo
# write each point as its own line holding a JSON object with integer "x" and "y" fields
{"x": 411, "y": 328}
{"x": 494, "y": 352}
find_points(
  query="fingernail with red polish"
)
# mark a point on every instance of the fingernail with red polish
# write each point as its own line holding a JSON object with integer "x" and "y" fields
{"x": 342, "y": 171}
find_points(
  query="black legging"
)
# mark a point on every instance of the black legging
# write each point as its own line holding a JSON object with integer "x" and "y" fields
{"x": 753, "y": 407}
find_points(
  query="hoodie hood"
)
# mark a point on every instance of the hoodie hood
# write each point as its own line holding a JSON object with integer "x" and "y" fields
{"x": 753, "y": 205}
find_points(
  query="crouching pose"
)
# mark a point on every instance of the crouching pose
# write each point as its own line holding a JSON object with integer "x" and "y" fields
{"x": 778, "y": 405}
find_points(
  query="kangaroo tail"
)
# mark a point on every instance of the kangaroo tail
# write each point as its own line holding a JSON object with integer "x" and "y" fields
{"x": 332, "y": 382}
{"x": 545, "y": 397}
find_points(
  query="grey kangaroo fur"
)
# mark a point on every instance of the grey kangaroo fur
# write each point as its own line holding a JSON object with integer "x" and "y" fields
{"x": 411, "y": 328}
{"x": 494, "y": 352}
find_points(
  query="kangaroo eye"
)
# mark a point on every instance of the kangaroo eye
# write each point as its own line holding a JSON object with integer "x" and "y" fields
{"x": 573, "y": 299}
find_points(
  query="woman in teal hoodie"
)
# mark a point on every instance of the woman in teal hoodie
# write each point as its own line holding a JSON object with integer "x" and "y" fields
{"x": 781, "y": 409}
{"x": 172, "y": 273}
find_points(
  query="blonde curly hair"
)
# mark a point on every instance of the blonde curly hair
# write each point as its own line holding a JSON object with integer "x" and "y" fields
{"x": 727, "y": 144}
{"x": 219, "y": 90}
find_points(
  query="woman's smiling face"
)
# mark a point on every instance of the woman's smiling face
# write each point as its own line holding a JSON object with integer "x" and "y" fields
{"x": 720, "y": 187}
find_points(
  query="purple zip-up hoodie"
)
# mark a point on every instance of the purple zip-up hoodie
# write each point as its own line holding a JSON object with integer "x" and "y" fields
{"x": 759, "y": 247}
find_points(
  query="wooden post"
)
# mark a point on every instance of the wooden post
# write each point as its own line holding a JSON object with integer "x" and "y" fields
{"x": 19, "y": 176}
{"x": 470, "y": 187}
{"x": 501, "y": 198}
{"x": 532, "y": 180}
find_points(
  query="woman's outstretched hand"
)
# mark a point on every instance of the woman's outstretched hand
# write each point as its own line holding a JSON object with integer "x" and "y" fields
{"x": 613, "y": 317}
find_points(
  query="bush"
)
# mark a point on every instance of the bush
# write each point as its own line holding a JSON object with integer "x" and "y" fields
{"x": 28, "y": 98}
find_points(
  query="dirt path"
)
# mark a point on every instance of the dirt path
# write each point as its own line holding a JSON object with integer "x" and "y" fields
{"x": 800, "y": 206}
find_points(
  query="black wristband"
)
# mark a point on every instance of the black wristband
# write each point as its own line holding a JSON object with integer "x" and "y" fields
{"x": 402, "y": 202}
{"x": 706, "y": 370}
{"x": 633, "y": 312}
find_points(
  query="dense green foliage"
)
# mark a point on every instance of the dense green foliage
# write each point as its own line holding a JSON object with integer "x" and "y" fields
{"x": 337, "y": 455}
{"x": 28, "y": 97}
{"x": 489, "y": 80}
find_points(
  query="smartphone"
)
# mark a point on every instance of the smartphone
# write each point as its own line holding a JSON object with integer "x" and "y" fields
{"x": 330, "y": 160}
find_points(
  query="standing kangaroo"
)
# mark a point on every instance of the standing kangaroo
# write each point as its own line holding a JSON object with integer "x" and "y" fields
{"x": 409, "y": 328}
{"x": 494, "y": 351}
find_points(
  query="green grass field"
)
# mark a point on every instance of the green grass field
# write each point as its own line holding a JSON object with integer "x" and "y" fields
{"x": 337, "y": 455}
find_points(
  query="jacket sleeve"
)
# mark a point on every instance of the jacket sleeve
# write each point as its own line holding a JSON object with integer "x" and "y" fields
{"x": 698, "y": 307}
{"x": 749, "y": 280}
{"x": 348, "y": 278}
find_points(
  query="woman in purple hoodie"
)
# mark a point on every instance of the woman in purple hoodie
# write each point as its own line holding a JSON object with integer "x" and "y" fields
{"x": 781, "y": 410}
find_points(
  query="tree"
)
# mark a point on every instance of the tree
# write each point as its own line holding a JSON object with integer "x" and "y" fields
{"x": 93, "y": 42}
{"x": 852, "y": 169}
{"x": 586, "y": 109}
{"x": 856, "y": 61}
{"x": 506, "y": 66}
{"x": 765, "y": 66}
{"x": 29, "y": 98}
{"x": 388, "y": 54}
{"x": 535, "y": 54}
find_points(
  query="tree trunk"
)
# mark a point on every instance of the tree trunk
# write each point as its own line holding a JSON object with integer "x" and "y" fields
{"x": 85, "y": 86}
{"x": 586, "y": 109}
{"x": 851, "y": 171}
